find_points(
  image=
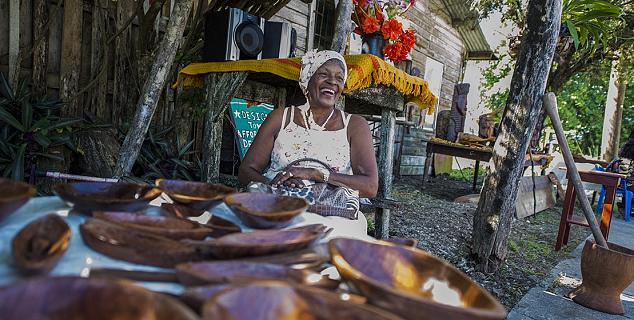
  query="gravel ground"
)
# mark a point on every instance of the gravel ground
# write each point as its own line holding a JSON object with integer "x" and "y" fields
{"x": 443, "y": 228}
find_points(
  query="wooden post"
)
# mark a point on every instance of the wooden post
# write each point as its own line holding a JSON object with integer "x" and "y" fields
{"x": 220, "y": 88}
{"x": 550, "y": 103}
{"x": 99, "y": 60}
{"x": 71, "y": 56}
{"x": 40, "y": 48}
{"x": 496, "y": 208}
{"x": 343, "y": 26}
{"x": 153, "y": 87}
{"x": 14, "y": 42}
{"x": 613, "y": 114}
{"x": 386, "y": 163}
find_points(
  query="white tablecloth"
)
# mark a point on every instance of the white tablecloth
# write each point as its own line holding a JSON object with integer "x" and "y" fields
{"x": 79, "y": 258}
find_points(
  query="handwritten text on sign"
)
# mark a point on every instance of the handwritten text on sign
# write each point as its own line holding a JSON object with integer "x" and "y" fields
{"x": 247, "y": 120}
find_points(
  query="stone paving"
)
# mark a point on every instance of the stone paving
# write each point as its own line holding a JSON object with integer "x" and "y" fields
{"x": 549, "y": 300}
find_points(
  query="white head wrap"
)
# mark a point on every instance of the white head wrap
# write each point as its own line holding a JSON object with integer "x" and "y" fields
{"x": 314, "y": 59}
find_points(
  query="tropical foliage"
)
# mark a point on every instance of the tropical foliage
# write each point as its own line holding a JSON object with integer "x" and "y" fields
{"x": 30, "y": 131}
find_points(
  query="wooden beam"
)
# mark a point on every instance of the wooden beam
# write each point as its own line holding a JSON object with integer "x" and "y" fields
{"x": 220, "y": 88}
{"x": 40, "y": 48}
{"x": 153, "y": 87}
{"x": 386, "y": 163}
{"x": 99, "y": 60}
{"x": 343, "y": 26}
{"x": 71, "y": 57}
{"x": 14, "y": 42}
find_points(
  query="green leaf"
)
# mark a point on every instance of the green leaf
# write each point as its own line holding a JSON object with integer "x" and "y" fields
{"x": 18, "y": 164}
{"x": 50, "y": 156}
{"x": 5, "y": 116}
{"x": 573, "y": 33}
{"x": 5, "y": 88}
{"x": 27, "y": 115}
{"x": 42, "y": 140}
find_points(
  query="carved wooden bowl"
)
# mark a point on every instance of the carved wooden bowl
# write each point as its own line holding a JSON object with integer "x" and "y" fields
{"x": 265, "y": 210}
{"x": 411, "y": 282}
{"x": 258, "y": 243}
{"x": 13, "y": 195}
{"x": 200, "y": 273}
{"x": 278, "y": 300}
{"x": 135, "y": 246}
{"x": 221, "y": 227}
{"x": 196, "y": 195}
{"x": 87, "y": 197}
{"x": 74, "y": 298}
{"x": 167, "y": 227}
{"x": 173, "y": 210}
{"x": 38, "y": 246}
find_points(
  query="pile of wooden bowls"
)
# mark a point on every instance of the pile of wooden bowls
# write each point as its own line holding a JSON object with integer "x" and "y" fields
{"x": 274, "y": 273}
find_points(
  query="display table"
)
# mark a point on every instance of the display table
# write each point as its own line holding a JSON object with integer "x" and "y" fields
{"x": 474, "y": 153}
{"x": 79, "y": 259}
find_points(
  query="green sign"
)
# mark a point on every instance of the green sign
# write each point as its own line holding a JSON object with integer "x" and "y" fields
{"x": 247, "y": 119}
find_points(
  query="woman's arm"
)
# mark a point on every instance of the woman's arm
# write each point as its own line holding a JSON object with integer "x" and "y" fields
{"x": 365, "y": 176}
{"x": 259, "y": 154}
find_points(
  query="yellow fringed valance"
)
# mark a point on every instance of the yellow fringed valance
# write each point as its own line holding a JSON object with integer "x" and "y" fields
{"x": 364, "y": 70}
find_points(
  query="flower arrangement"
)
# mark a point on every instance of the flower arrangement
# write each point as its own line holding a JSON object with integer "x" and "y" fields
{"x": 380, "y": 16}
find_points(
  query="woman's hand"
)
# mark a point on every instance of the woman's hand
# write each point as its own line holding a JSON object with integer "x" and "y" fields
{"x": 293, "y": 176}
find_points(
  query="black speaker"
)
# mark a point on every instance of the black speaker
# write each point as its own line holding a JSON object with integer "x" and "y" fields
{"x": 279, "y": 40}
{"x": 232, "y": 34}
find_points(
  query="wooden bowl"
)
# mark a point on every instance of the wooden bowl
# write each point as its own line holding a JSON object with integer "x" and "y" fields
{"x": 75, "y": 298}
{"x": 40, "y": 244}
{"x": 87, "y": 197}
{"x": 265, "y": 210}
{"x": 13, "y": 195}
{"x": 196, "y": 195}
{"x": 173, "y": 210}
{"x": 257, "y": 243}
{"x": 221, "y": 227}
{"x": 202, "y": 273}
{"x": 279, "y": 300}
{"x": 167, "y": 227}
{"x": 411, "y": 282}
{"x": 135, "y": 246}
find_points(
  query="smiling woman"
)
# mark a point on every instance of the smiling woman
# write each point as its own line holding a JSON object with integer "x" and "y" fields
{"x": 314, "y": 130}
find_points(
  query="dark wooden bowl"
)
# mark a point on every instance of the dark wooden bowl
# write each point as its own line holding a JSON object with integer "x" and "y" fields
{"x": 196, "y": 195}
{"x": 411, "y": 282}
{"x": 265, "y": 210}
{"x": 135, "y": 246}
{"x": 167, "y": 227}
{"x": 173, "y": 210}
{"x": 75, "y": 298}
{"x": 256, "y": 243}
{"x": 13, "y": 195}
{"x": 40, "y": 244}
{"x": 279, "y": 300}
{"x": 202, "y": 273}
{"x": 86, "y": 197}
{"x": 221, "y": 227}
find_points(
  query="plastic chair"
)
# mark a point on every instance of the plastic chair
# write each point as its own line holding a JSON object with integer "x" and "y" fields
{"x": 622, "y": 191}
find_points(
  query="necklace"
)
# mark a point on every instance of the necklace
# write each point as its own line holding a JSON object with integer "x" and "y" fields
{"x": 310, "y": 122}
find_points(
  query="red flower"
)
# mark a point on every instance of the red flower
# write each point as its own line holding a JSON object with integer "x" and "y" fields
{"x": 392, "y": 29}
{"x": 395, "y": 51}
{"x": 408, "y": 38}
{"x": 370, "y": 24}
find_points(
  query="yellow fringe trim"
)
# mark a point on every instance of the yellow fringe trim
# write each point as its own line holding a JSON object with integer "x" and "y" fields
{"x": 363, "y": 71}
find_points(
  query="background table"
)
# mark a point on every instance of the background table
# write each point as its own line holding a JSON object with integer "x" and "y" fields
{"x": 79, "y": 259}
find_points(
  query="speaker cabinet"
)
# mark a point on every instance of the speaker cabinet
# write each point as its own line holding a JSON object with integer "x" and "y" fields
{"x": 279, "y": 40}
{"x": 233, "y": 35}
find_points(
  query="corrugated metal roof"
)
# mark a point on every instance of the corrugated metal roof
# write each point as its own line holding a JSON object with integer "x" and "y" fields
{"x": 467, "y": 24}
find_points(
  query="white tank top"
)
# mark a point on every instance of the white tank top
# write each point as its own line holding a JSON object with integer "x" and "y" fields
{"x": 295, "y": 142}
